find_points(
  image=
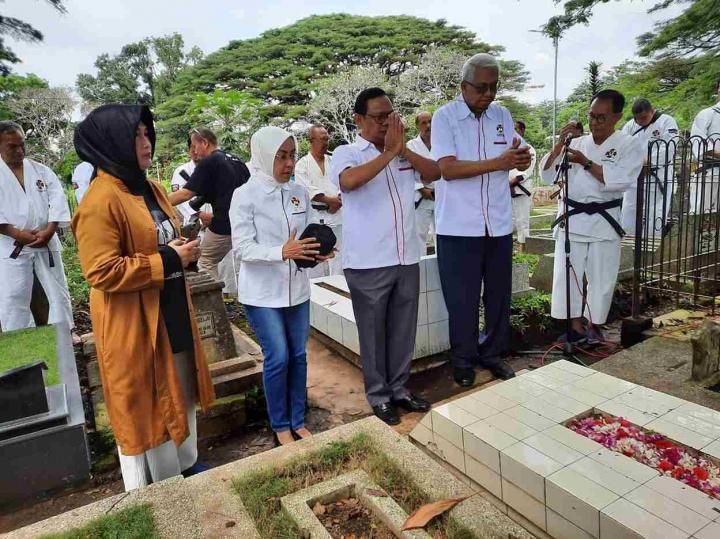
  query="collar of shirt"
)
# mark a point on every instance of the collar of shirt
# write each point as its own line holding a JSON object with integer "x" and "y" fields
{"x": 270, "y": 184}
{"x": 462, "y": 110}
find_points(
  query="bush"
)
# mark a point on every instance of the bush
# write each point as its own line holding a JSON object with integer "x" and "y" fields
{"x": 531, "y": 309}
{"x": 77, "y": 285}
{"x": 527, "y": 258}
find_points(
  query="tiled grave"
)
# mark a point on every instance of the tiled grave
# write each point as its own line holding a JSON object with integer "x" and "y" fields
{"x": 331, "y": 311}
{"x": 511, "y": 438}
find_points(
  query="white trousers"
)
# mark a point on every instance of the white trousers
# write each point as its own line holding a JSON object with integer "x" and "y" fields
{"x": 521, "y": 216}
{"x": 16, "y": 282}
{"x": 334, "y": 265}
{"x": 705, "y": 192}
{"x": 425, "y": 224}
{"x": 599, "y": 261}
{"x": 167, "y": 459}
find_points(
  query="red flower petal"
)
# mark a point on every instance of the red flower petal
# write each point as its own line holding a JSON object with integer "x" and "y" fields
{"x": 665, "y": 465}
{"x": 701, "y": 473}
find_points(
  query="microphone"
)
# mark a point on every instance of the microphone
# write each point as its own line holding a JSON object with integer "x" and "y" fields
{"x": 568, "y": 139}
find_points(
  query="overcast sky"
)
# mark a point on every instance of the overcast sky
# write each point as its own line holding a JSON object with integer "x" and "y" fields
{"x": 91, "y": 27}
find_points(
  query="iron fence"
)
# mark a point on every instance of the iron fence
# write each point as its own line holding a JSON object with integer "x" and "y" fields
{"x": 677, "y": 241}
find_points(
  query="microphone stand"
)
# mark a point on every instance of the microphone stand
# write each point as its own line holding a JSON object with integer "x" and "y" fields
{"x": 562, "y": 175}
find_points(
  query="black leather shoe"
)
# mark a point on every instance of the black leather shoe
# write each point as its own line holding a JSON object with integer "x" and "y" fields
{"x": 412, "y": 403}
{"x": 502, "y": 370}
{"x": 387, "y": 413}
{"x": 464, "y": 377}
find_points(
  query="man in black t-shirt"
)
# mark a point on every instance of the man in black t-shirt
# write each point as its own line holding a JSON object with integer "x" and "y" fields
{"x": 215, "y": 178}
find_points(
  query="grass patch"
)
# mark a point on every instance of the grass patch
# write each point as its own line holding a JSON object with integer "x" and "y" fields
{"x": 261, "y": 491}
{"x": 24, "y": 346}
{"x": 77, "y": 285}
{"x": 135, "y": 522}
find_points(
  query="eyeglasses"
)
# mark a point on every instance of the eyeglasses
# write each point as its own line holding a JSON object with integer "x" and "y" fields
{"x": 484, "y": 87}
{"x": 599, "y": 118}
{"x": 379, "y": 118}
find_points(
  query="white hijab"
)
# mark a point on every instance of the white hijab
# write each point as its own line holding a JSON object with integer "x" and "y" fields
{"x": 264, "y": 146}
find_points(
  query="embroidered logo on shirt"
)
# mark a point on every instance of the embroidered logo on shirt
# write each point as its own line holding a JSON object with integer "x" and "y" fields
{"x": 295, "y": 201}
{"x": 500, "y": 134}
{"x": 175, "y": 187}
{"x": 40, "y": 185}
{"x": 610, "y": 155}
{"x": 672, "y": 130}
{"x": 656, "y": 133}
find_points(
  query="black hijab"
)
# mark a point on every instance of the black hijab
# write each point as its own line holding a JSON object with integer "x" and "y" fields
{"x": 106, "y": 140}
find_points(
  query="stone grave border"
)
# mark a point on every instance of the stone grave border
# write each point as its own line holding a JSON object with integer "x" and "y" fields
{"x": 511, "y": 439}
{"x": 299, "y": 505}
{"x": 205, "y": 505}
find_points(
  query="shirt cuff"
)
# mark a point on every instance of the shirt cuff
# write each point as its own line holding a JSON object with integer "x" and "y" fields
{"x": 170, "y": 259}
{"x": 157, "y": 273}
{"x": 276, "y": 254}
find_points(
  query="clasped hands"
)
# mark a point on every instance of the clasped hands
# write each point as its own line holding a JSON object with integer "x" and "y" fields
{"x": 304, "y": 249}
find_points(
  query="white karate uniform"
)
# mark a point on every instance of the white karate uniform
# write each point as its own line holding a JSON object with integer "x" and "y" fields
{"x": 663, "y": 128}
{"x": 309, "y": 175}
{"x": 81, "y": 179}
{"x": 707, "y": 126}
{"x": 594, "y": 243}
{"x": 523, "y": 204}
{"x": 41, "y": 202}
{"x": 226, "y": 268}
{"x": 425, "y": 208}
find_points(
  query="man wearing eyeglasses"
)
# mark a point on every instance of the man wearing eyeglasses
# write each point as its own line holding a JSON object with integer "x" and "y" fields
{"x": 377, "y": 175}
{"x": 473, "y": 143}
{"x": 603, "y": 165}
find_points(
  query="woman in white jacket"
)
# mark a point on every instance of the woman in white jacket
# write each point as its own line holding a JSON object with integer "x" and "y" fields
{"x": 267, "y": 214}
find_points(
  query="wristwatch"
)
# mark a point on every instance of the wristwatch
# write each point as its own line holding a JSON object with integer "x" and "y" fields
{"x": 587, "y": 166}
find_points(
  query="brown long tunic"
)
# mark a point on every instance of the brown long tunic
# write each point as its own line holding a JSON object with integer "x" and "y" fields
{"x": 117, "y": 242}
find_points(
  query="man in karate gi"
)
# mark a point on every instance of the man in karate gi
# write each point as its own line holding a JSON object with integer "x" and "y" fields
{"x": 82, "y": 174}
{"x": 603, "y": 165}
{"x": 707, "y": 126}
{"x": 424, "y": 193}
{"x": 520, "y": 192}
{"x": 313, "y": 173}
{"x": 32, "y": 206}
{"x": 648, "y": 126}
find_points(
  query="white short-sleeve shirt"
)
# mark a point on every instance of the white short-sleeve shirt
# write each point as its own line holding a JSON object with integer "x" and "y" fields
{"x": 481, "y": 205}
{"x": 317, "y": 182}
{"x": 707, "y": 122}
{"x": 81, "y": 179}
{"x": 379, "y": 217}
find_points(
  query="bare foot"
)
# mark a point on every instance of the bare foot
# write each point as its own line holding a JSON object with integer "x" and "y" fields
{"x": 285, "y": 437}
{"x": 303, "y": 433}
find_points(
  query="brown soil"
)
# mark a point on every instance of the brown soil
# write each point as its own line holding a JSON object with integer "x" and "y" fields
{"x": 350, "y": 519}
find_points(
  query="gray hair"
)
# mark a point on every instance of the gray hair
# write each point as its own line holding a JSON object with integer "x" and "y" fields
{"x": 8, "y": 126}
{"x": 482, "y": 60}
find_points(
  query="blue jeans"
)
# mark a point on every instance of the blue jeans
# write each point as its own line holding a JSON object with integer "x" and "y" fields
{"x": 283, "y": 334}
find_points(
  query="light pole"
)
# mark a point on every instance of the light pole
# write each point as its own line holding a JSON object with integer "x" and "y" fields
{"x": 553, "y": 30}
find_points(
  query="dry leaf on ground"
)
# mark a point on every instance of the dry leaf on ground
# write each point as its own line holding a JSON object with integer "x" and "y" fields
{"x": 318, "y": 509}
{"x": 427, "y": 512}
{"x": 377, "y": 492}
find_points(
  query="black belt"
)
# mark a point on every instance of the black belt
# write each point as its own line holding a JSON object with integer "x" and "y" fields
{"x": 592, "y": 208}
{"x": 320, "y": 207}
{"x": 525, "y": 191}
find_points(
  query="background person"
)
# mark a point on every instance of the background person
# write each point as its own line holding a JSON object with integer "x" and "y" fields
{"x": 313, "y": 172}
{"x": 267, "y": 215}
{"x": 81, "y": 176}
{"x": 32, "y": 206}
{"x": 473, "y": 143}
{"x": 151, "y": 360}
{"x": 216, "y": 177}
{"x": 520, "y": 192}
{"x": 377, "y": 176}
{"x": 424, "y": 193}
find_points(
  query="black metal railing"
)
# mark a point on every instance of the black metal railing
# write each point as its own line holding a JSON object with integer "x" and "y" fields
{"x": 677, "y": 241}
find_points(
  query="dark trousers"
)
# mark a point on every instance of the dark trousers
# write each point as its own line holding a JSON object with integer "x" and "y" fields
{"x": 385, "y": 304}
{"x": 469, "y": 266}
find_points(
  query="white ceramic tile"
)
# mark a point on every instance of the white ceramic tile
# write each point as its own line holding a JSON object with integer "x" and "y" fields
{"x": 423, "y": 275}
{"x": 509, "y": 426}
{"x": 483, "y": 475}
{"x": 626, "y": 466}
{"x": 526, "y": 467}
{"x": 344, "y": 308}
{"x": 493, "y": 399}
{"x": 448, "y": 421}
{"x": 436, "y": 309}
{"x": 350, "y": 336}
{"x": 334, "y": 326}
{"x": 573, "y": 368}
{"x": 553, "y": 449}
{"x": 693, "y": 423}
{"x": 623, "y": 519}
{"x": 619, "y": 409}
{"x": 490, "y": 435}
{"x": 572, "y": 439}
{"x": 650, "y": 401}
{"x": 338, "y": 281}
{"x": 713, "y": 449}
{"x": 319, "y": 317}
{"x": 565, "y": 402}
{"x": 577, "y": 499}
{"x": 667, "y": 509}
{"x": 679, "y": 434}
{"x": 604, "y": 385}
{"x": 535, "y": 390}
{"x": 561, "y": 375}
{"x": 422, "y": 435}
{"x": 427, "y": 420}
{"x": 433, "y": 276}
{"x": 449, "y": 452}
{"x": 422, "y": 342}
{"x": 475, "y": 407}
{"x": 604, "y": 476}
{"x": 687, "y": 496}
{"x": 530, "y": 418}
{"x": 323, "y": 297}
{"x": 422, "y": 318}
{"x": 559, "y": 528}
{"x": 481, "y": 451}
{"x": 700, "y": 412}
{"x": 548, "y": 410}
{"x": 711, "y": 531}
{"x": 581, "y": 395}
{"x": 544, "y": 380}
{"x": 526, "y": 505}
{"x": 439, "y": 337}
